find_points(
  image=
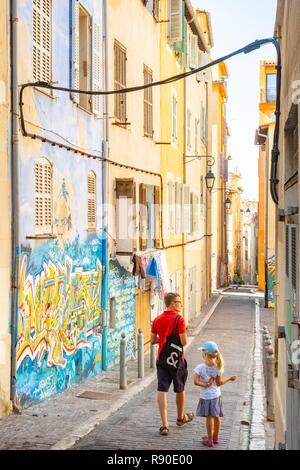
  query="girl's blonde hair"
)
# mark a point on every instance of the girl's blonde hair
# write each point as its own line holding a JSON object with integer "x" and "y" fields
{"x": 218, "y": 358}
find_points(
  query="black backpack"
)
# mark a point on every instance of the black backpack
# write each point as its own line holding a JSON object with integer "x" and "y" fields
{"x": 171, "y": 354}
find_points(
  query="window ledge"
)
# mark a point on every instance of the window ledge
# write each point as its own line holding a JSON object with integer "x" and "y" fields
{"x": 46, "y": 93}
{"x": 44, "y": 236}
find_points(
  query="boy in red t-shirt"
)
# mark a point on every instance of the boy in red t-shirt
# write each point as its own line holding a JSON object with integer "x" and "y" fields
{"x": 161, "y": 328}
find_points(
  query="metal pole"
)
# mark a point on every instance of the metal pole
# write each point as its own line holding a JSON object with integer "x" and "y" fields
{"x": 123, "y": 368}
{"x": 153, "y": 356}
{"x": 141, "y": 368}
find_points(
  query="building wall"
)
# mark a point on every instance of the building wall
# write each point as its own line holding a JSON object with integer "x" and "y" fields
{"x": 287, "y": 414}
{"x": 129, "y": 146}
{"x": 5, "y": 210}
{"x": 171, "y": 154}
{"x": 59, "y": 319}
{"x": 235, "y": 225}
{"x": 266, "y": 122}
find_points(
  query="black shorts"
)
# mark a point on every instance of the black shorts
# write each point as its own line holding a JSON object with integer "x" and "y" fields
{"x": 165, "y": 379}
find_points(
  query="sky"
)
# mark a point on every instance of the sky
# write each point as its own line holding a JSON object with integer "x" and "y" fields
{"x": 236, "y": 23}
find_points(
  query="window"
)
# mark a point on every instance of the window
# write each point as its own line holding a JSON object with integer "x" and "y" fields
{"x": 42, "y": 45}
{"x": 170, "y": 207}
{"x": 192, "y": 51}
{"x": 175, "y": 20}
{"x": 150, "y": 209}
{"x": 152, "y": 7}
{"x": 148, "y": 103}
{"x": 174, "y": 117}
{"x": 270, "y": 87}
{"x": 43, "y": 196}
{"x": 186, "y": 208}
{"x": 92, "y": 217}
{"x": 197, "y": 132}
{"x": 125, "y": 215}
{"x": 120, "y": 81}
{"x": 188, "y": 128}
{"x": 86, "y": 57}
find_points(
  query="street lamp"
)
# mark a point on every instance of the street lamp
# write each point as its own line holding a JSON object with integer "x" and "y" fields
{"x": 210, "y": 180}
{"x": 227, "y": 204}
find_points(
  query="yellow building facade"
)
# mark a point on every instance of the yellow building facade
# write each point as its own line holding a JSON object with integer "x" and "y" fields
{"x": 234, "y": 227}
{"x": 5, "y": 211}
{"x": 266, "y": 207}
{"x": 219, "y": 134}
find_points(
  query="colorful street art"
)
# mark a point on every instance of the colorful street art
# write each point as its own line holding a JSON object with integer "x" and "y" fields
{"x": 59, "y": 317}
{"x": 271, "y": 266}
{"x": 121, "y": 287}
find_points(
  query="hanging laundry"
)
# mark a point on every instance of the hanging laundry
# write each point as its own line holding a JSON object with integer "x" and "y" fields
{"x": 152, "y": 270}
{"x": 138, "y": 266}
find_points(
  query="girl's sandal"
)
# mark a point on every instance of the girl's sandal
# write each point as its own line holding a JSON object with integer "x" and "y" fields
{"x": 164, "y": 431}
{"x": 186, "y": 419}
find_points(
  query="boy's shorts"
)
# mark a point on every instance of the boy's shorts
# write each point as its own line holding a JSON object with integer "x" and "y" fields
{"x": 165, "y": 379}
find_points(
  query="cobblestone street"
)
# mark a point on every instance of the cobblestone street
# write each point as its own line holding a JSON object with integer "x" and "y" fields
{"x": 135, "y": 425}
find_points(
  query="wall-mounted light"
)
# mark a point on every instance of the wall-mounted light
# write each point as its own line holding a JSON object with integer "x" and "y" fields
{"x": 210, "y": 180}
{"x": 227, "y": 204}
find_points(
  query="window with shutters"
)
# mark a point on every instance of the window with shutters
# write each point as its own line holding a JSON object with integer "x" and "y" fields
{"x": 125, "y": 215}
{"x": 148, "y": 103}
{"x": 120, "y": 81}
{"x": 192, "y": 51}
{"x": 42, "y": 41}
{"x": 175, "y": 20}
{"x": 174, "y": 117}
{"x": 84, "y": 57}
{"x": 92, "y": 208}
{"x": 43, "y": 196}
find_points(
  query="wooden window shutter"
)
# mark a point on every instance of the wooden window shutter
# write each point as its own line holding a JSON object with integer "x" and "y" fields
{"x": 148, "y": 103}
{"x": 42, "y": 41}
{"x": 175, "y": 24}
{"x": 157, "y": 215}
{"x": 178, "y": 200}
{"x": 75, "y": 49}
{"x": 92, "y": 216}
{"x": 294, "y": 257}
{"x": 96, "y": 68}
{"x": 193, "y": 51}
{"x": 43, "y": 196}
{"x": 120, "y": 80}
{"x": 143, "y": 217}
{"x": 156, "y": 9}
{"x": 186, "y": 208}
{"x": 199, "y": 75}
{"x": 287, "y": 250}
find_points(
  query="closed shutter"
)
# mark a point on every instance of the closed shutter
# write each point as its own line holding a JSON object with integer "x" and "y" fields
{"x": 41, "y": 35}
{"x": 294, "y": 257}
{"x": 143, "y": 217}
{"x": 92, "y": 201}
{"x": 120, "y": 80}
{"x": 199, "y": 75}
{"x": 157, "y": 215}
{"x": 75, "y": 49}
{"x": 193, "y": 51}
{"x": 156, "y": 9}
{"x": 96, "y": 68}
{"x": 175, "y": 25}
{"x": 186, "y": 208}
{"x": 287, "y": 250}
{"x": 178, "y": 199}
{"x": 43, "y": 196}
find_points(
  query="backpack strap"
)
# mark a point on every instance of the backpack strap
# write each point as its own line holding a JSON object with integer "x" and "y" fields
{"x": 175, "y": 325}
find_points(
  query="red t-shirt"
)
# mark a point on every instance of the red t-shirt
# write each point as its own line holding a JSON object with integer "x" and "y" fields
{"x": 163, "y": 326}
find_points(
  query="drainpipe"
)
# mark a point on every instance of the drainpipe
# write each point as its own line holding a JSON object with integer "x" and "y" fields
{"x": 105, "y": 193}
{"x": 207, "y": 196}
{"x": 266, "y": 223}
{"x": 185, "y": 273}
{"x": 15, "y": 249}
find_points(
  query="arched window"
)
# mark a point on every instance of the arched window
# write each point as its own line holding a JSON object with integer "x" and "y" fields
{"x": 92, "y": 225}
{"x": 43, "y": 196}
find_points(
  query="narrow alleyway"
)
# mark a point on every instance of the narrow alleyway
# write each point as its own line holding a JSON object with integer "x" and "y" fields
{"x": 135, "y": 426}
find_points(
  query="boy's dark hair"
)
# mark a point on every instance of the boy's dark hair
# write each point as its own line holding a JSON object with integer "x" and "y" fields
{"x": 170, "y": 297}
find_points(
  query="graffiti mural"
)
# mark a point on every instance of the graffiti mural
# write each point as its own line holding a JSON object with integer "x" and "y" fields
{"x": 121, "y": 288}
{"x": 271, "y": 266}
{"x": 59, "y": 318}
